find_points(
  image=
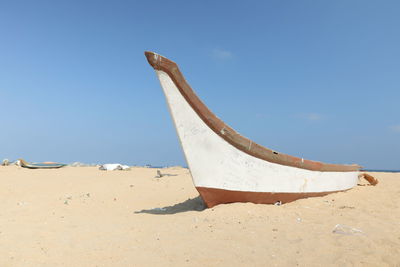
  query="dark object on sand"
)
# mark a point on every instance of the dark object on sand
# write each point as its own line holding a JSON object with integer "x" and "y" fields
{"x": 159, "y": 174}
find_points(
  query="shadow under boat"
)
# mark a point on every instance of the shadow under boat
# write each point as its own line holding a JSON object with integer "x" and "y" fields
{"x": 193, "y": 204}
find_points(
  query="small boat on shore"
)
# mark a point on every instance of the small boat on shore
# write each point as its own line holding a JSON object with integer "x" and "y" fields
{"x": 227, "y": 167}
{"x": 41, "y": 165}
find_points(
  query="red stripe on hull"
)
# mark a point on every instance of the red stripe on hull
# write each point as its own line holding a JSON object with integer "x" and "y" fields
{"x": 214, "y": 196}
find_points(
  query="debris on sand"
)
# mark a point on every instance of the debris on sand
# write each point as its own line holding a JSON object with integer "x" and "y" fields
{"x": 114, "y": 166}
{"x": 346, "y": 230}
{"x": 159, "y": 174}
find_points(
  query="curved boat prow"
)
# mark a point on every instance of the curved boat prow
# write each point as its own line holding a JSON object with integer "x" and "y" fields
{"x": 228, "y": 167}
{"x": 151, "y": 58}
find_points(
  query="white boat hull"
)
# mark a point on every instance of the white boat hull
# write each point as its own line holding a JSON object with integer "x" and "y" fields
{"x": 227, "y": 167}
{"x": 214, "y": 163}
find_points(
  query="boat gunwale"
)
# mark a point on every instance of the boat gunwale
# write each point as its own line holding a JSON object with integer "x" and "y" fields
{"x": 227, "y": 133}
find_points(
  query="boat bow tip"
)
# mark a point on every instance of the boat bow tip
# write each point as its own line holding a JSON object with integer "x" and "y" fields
{"x": 154, "y": 59}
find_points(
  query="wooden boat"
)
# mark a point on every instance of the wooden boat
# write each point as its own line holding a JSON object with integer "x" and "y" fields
{"x": 227, "y": 167}
{"x": 41, "y": 165}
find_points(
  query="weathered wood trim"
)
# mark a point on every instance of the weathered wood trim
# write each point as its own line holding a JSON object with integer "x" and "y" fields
{"x": 230, "y": 135}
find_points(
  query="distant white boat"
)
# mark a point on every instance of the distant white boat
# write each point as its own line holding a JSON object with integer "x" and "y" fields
{"x": 227, "y": 167}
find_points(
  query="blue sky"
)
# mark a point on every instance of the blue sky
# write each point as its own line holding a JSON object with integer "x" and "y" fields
{"x": 315, "y": 79}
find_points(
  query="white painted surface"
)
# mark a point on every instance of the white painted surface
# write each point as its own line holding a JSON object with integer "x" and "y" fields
{"x": 215, "y": 163}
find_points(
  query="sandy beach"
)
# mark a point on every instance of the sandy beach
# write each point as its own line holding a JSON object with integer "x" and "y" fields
{"x": 81, "y": 216}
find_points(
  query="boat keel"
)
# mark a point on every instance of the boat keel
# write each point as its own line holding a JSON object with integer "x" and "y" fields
{"x": 214, "y": 196}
